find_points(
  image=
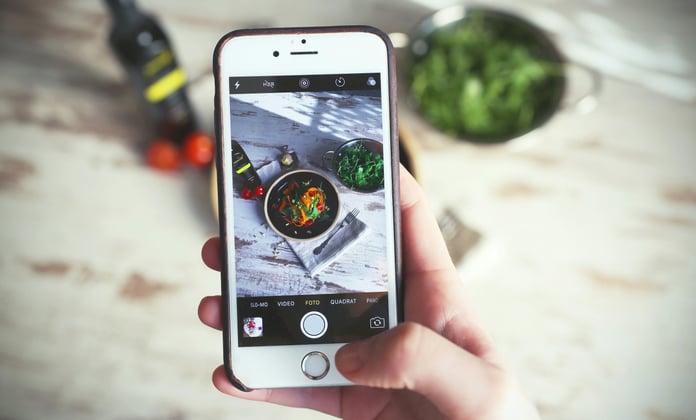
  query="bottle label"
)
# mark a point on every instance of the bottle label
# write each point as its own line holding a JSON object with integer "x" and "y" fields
{"x": 165, "y": 86}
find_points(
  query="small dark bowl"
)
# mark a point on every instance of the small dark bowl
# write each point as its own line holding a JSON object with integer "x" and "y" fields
{"x": 306, "y": 178}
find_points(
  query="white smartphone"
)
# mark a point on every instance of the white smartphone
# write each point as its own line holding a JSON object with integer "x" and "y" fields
{"x": 308, "y": 199}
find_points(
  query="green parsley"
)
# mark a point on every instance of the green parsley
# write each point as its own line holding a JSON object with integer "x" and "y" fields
{"x": 361, "y": 169}
{"x": 486, "y": 79}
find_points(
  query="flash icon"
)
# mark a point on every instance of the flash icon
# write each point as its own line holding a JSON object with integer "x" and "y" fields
{"x": 236, "y": 85}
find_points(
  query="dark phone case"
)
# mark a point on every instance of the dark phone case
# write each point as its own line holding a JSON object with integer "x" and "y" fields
{"x": 222, "y": 187}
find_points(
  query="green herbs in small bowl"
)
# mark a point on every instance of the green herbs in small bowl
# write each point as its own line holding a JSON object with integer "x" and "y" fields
{"x": 486, "y": 77}
{"x": 359, "y": 165}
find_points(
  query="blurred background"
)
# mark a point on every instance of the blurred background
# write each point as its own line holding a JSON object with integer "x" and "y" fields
{"x": 577, "y": 242}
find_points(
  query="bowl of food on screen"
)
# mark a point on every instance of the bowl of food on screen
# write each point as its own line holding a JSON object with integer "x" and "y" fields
{"x": 358, "y": 164}
{"x": 484, "y": 75}
{"x": 301, "y": 205}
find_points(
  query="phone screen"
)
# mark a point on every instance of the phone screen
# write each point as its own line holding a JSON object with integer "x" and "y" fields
{"x": 312, "y": 262}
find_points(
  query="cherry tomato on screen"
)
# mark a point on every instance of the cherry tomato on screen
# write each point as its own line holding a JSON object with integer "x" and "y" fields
{"x": 259, "y": 191}
{"x": 199, "y": 149}
{"x": 163, "y": 154}
{"x": 246, "y": 194}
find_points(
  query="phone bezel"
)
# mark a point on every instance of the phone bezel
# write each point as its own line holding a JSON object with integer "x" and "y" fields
{"x": 286, "y": 40}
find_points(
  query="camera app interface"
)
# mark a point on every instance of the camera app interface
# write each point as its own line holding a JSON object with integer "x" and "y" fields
{"x": 310, "y": 224}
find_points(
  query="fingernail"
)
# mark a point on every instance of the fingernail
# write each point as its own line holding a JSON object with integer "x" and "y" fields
{"x": 349, "y": 358}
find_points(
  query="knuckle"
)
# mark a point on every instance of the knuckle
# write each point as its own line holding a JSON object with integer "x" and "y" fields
{"x": 504, "y": 398}
{"x": 405, "y": 352}
{"x": 501, "y": 384}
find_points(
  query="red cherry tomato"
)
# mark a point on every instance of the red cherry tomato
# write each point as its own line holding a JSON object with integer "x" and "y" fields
{"x": 199, "y": 149}
{"x": 259, "y": 191}
{"x": 246, "y": 194}
{"x": 163, "y": 155}
{"x": 320, "y": 206}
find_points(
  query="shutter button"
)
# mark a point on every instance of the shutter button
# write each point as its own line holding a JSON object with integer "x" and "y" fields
{"x": 313, "y": 324}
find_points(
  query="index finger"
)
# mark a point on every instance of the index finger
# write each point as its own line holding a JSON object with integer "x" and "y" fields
{"x": 422, "y": 242}
{"x": 433, "y": 295}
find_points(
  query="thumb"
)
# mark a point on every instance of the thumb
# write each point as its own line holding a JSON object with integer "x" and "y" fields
{"x": 414, "y": 357}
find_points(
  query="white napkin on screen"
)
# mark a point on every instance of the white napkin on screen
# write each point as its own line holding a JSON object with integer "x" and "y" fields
{"x": 339, "y": 241}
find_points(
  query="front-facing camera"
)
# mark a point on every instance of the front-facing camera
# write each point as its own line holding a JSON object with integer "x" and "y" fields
{"x": 276, "y": 53}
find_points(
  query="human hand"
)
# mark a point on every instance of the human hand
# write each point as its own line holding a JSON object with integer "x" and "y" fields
{"x": 438, "y": 364}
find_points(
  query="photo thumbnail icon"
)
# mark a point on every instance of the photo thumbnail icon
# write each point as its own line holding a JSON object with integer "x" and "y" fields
{"x": 252, "y": 327}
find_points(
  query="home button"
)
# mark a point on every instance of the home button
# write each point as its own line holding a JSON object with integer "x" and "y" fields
{"x": 313, "y": 324}
{"x": 315, "y": 365}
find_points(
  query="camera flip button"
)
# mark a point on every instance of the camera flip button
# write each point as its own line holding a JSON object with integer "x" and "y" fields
{"x": 313, "y": 324}
{"x": 315, "y": 365}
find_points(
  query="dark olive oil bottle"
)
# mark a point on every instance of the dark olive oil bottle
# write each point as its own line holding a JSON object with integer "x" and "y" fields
{"x": 146, "y": 54}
